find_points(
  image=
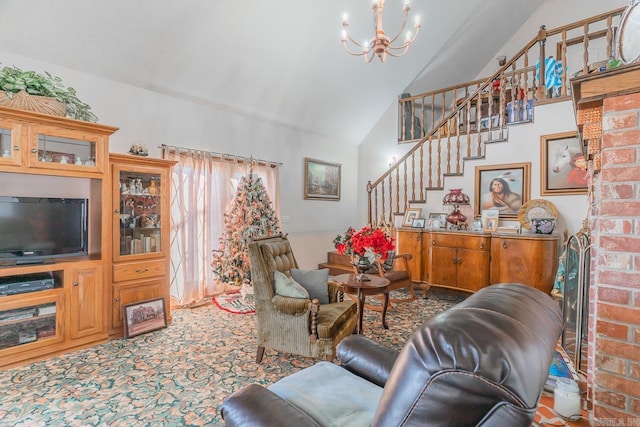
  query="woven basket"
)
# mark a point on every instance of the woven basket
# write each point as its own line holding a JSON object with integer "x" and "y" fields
{"x": 40, "y": 104}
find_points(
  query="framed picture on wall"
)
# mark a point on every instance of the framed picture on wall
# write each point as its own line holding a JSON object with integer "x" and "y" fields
{"x": 563, "y": 165}
{"x": 504, "y": 188}
{"x": 321, "y": 180}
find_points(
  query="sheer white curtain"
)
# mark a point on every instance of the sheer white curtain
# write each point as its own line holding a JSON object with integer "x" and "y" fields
{"x": 203, "y": 186}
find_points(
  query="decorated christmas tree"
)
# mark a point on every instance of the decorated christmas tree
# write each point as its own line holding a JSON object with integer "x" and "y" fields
{"x": 250, "y": 215}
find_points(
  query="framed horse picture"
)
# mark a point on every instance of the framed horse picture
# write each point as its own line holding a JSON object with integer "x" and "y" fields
{"x": 563, "y": 165}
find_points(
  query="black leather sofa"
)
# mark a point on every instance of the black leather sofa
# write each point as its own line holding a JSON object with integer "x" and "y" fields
{"x": 483, "y": 362}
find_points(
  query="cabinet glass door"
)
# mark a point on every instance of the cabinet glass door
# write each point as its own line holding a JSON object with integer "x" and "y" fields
{"x": 9, "y": 144}
{"x": 65, "y": 151}
{"x": 140, "y": 210}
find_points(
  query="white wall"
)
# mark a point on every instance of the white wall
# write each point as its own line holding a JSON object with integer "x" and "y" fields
{"x": 524, "y": 140}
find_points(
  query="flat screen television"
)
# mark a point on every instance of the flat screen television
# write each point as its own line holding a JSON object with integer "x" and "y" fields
{"x": 36, "y": 229}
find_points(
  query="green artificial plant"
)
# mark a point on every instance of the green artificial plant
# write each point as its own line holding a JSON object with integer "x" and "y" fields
{"x": 14, "y": 80}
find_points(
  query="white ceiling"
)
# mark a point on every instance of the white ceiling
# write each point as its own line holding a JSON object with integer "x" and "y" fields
{"x": 280, "y": 60}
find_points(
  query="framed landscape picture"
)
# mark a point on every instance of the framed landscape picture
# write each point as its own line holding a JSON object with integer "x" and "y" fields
{"x": 144, "y": 316}
{"x": 321, "y": 180}
{"x": 563, "y": 165}
{"x": 504, "y": 188}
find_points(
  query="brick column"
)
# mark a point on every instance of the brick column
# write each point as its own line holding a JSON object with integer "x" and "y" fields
{"x": 614, "y": 341}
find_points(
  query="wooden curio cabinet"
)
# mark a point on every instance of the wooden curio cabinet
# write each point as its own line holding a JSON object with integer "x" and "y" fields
{"x": 140, "y": 208}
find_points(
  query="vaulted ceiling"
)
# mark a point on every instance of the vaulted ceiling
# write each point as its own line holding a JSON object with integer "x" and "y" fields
{"x": 281, "y": 61}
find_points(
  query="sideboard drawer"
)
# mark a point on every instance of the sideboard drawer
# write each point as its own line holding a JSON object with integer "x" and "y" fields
{"x": 139, "y": 270}
{"x": 464, "y": 241}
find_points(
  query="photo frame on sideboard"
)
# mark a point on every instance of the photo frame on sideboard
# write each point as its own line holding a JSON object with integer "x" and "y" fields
{"x": 411, "y": 214}
{"x": 441, "y": 218}
{"x": 418, "y": 223}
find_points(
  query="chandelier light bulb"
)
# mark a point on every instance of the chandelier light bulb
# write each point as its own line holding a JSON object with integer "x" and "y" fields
{"x": 345, "y": 19}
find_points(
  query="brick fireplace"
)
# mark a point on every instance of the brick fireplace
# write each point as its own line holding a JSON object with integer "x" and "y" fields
{"x": 614, "y": 310}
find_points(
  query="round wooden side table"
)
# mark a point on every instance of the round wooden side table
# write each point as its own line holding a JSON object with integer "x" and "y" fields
{"x": 374, "y": 286}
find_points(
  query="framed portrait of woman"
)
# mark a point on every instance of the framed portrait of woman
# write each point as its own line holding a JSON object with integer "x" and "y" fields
{"x": 504, "y": 188}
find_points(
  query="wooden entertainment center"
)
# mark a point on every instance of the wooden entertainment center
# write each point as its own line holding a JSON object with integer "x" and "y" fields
{"x": 55, "y": 157}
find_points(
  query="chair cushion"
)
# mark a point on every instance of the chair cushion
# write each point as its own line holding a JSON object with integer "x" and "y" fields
{"x": 331, "y": 395}
{"x": 287, "y": 287}
{"x": 332, "y": 316}
{"x": 315, "y": 282}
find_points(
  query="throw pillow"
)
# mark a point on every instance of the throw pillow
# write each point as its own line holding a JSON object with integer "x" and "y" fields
{"x": 314, "y": 281}
{"x": 287, "y": 287}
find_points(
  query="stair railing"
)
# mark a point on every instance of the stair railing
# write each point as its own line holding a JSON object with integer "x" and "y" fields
{"x": 463, "y": 118}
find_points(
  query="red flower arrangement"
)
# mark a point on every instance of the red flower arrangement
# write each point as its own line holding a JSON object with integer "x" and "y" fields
{"x": 371, "y": 243}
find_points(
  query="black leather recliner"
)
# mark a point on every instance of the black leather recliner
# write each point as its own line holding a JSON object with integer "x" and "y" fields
{"x": 484, "y": 362}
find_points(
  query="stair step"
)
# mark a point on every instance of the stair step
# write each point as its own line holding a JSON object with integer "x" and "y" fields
{"x": 434, "y": 188}
{"x": 473, "y": 158}
{"x": 493, "y": 141}
{"x": 416, "y": 201}
{"x": 453, "y": 174}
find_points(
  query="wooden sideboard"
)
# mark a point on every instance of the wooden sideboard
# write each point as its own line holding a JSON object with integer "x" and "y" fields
{"x": 469, "y": 261}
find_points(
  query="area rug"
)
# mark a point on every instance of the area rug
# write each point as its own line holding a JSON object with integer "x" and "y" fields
{"x": 234, "y": 303}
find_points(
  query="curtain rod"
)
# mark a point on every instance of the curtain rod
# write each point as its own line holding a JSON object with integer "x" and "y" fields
{"x": 222, "y": 156}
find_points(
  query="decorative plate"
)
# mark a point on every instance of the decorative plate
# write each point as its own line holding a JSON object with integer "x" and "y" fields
{"x": 536, "y": 208}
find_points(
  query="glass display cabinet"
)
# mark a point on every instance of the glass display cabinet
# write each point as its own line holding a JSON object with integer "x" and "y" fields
{"x": 140, "y": 212}
{"x": 141, "y": 223}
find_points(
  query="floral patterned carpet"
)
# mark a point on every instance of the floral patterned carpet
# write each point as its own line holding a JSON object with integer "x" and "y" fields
{"x": 176, "y": 376}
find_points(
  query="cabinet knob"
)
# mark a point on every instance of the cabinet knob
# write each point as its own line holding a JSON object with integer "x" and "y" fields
{"x": 481, "y": 245}
{"x": 433, "y": 242}
{"x": 75, "y": 283}
{"x": 16, "y": 148}
{"x": 505, "y": 245}
{"x": 459, "y": 260}
{"x": 34, "y": 150}
{"x": 117, "y": 299}
{"x": 116, "y": 211}
{"x": 139, "y": 270}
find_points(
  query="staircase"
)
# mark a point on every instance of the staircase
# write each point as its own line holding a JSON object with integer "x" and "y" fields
{"x": 453, "y": 125}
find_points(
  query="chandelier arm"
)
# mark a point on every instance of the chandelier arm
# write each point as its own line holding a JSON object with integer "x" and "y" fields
{"x": 406, "y": 43}
{"x": 398, "y": 55}
{"x": 351, "y": 52}
{"x": 404, "y": 23}
{"x": 352, "y": 40}
{"x": 368, "y": 56}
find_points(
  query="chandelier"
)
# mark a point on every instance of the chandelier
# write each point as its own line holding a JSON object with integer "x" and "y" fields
{"x": 380, "y": 44}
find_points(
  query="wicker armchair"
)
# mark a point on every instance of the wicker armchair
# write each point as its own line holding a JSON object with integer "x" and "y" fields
{"x": 294, "y": 325}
